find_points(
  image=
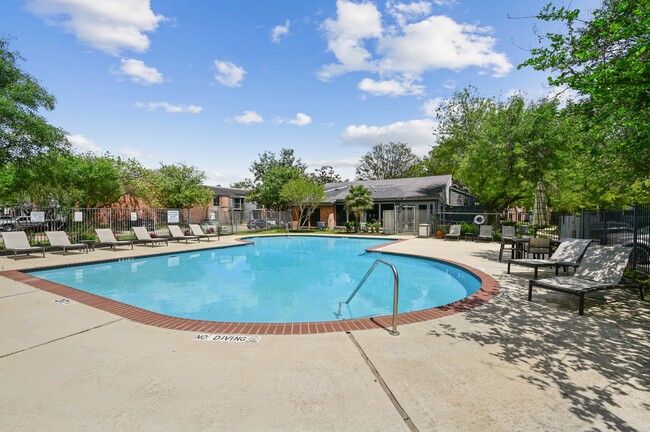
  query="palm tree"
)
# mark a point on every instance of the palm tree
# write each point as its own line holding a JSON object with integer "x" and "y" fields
{"x": 357, "y": 200}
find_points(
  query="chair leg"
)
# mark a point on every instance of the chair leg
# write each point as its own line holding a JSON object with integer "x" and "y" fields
{"x": 530, "y": 290}
{"x": 501, "y": 252}
{"x": 536, "y": 268}
{"x": 508, "y": 267}
{"x": 581, "y": 304}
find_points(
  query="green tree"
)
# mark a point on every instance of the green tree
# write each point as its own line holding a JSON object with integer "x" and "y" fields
{"x": 306, "y": 195}
{"x": 325, "y": 174}
{"x": 242, "y": 184}
{"x": 24, "y": 133}
{"x": 499, "y": 150}
{"x": 268, "y": 191}
{"x": 179, "y": 186}
{"x": 358, "y": 200}
{"x": 66, "y": 180}
{"x": 268, "y": 160}
{"x": 606, "y": 58}
{"x": 387, "y": 161}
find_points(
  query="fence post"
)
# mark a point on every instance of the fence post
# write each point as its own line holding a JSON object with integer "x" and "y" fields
{"x": 634, "y": 239}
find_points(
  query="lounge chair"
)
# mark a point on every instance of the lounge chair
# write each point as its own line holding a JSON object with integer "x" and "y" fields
{"x": 454, "y": 232}
{"x": 568, "y": 254}
{"x": 59, "y": 239}
{"x": 177, "y": 234}
{"x": 508, "y": 234}
{"x": 17, "y": 242}
{"x": 601, "y": 267}
{"x": 197, "y": 231}
{"x": 485, "y": 233}
{"x": 106, "y": 237}
{"x": 143, "y": 237}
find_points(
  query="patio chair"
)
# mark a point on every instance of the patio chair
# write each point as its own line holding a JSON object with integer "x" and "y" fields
{"x": 17, "y": 242}
{"x": 143, "y": 237}
{"x": 485, "y": 233}
{"x": 568, "y": 254}
{"x": 177, "y": 234}
{"x": 538, "y": 247}
{"x": 197, "y": 231}
{"x": 106, "y": 237}
{"x": 454, "y": 232}
{"x": 59, "y": 239}
{"x": 601, "y": 268}
{"x": 508, "y": 233}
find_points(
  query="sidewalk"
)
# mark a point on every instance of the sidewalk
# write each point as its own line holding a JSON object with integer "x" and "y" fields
{"x": 507, "y": 365}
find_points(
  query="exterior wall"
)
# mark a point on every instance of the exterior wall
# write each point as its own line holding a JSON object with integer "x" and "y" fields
{"x": 327, "y": 215}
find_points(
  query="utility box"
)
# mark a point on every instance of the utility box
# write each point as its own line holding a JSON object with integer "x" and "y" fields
{"x": 424, "y": 230}
{"x": 320, "y": 225}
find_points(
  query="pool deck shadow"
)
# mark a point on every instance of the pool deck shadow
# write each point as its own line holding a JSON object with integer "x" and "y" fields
{"x": 508, "y": 364}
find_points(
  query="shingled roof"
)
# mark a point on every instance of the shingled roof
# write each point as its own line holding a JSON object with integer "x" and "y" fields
{"x": 413, "y": 188}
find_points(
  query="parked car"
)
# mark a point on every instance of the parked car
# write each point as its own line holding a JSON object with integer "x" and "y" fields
{"x": 641, "y": 251}
{"x": 24, "y": 223}
{"x": 261, "y": 224}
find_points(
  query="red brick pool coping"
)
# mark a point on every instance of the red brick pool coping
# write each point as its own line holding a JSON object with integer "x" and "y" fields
{"x": 489, "y": 289}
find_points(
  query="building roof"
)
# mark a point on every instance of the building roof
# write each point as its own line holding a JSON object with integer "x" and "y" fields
{"x": 229, "y": 192}
{"x": 413, "y": 188}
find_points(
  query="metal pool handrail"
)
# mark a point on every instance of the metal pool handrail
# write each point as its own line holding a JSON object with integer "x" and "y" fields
{"x": 394, "y": 331}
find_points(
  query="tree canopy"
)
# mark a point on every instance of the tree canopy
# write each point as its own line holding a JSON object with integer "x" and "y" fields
{"x": 305, "y": 194}
{"x": 499, "y": 150}
{"x": 387, "y": 161}
{"x": 606, "y": 59}
{"x": 178, "y": 186}
{"x": 325, "y": 174}
{"x": 24, "y": 133}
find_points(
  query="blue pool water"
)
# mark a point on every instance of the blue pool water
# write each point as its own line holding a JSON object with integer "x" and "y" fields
{"x": 278, "y": 279}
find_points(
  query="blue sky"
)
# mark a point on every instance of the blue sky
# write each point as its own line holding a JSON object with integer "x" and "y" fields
{"x": 215, "y": 83}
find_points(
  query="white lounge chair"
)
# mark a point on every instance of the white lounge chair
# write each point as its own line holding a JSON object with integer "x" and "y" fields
{"x": 59, "y": 239}
{"x": 197, "y": 231}
{"x": 485, "y": 233}
{"x": 454, "y": 232}
{"x": 17, "y": 242}
{"x": 568, "y": 254}
{"x": 106, "y": 237}
{"x": 143, "y": 236}
{"x": 601, "y": 267}
{"x": 177, "y": 234}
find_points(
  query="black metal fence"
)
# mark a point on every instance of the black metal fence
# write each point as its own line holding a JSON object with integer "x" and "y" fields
{"x": 628, "y": 227}
{"x": 80, "y": 224}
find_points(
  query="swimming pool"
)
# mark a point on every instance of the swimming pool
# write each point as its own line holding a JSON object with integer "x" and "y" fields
{"x": 276, "y": 279}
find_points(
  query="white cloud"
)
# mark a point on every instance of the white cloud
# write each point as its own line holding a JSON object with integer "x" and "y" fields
{"x": 278, "y": 31}
{"x": 83, "y": 144}
{"x": 130, "y": 152}
{"x": 138, "y": 72}
{"x": 300, "y": 120}
{"x": 418, "y": 134}
{"x": 249, "y": 117}
{"x": 345, "y": 36}
{"x": 404, "y": 52}
{"x": 152, "y": 106}
{"x": 109, "y": 26}
{"x": 229, "y": 74}
{"x": 404, "y": 12}
{"x": 450, "y": 84}
{"x": 439, "y": 42}
{"x": 390, "y": 87}
{"x": 564, "y": 95}
{"x": 431, "y": 106}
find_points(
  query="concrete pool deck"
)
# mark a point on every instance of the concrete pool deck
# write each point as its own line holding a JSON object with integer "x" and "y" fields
{"x": 509, "y": 364}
